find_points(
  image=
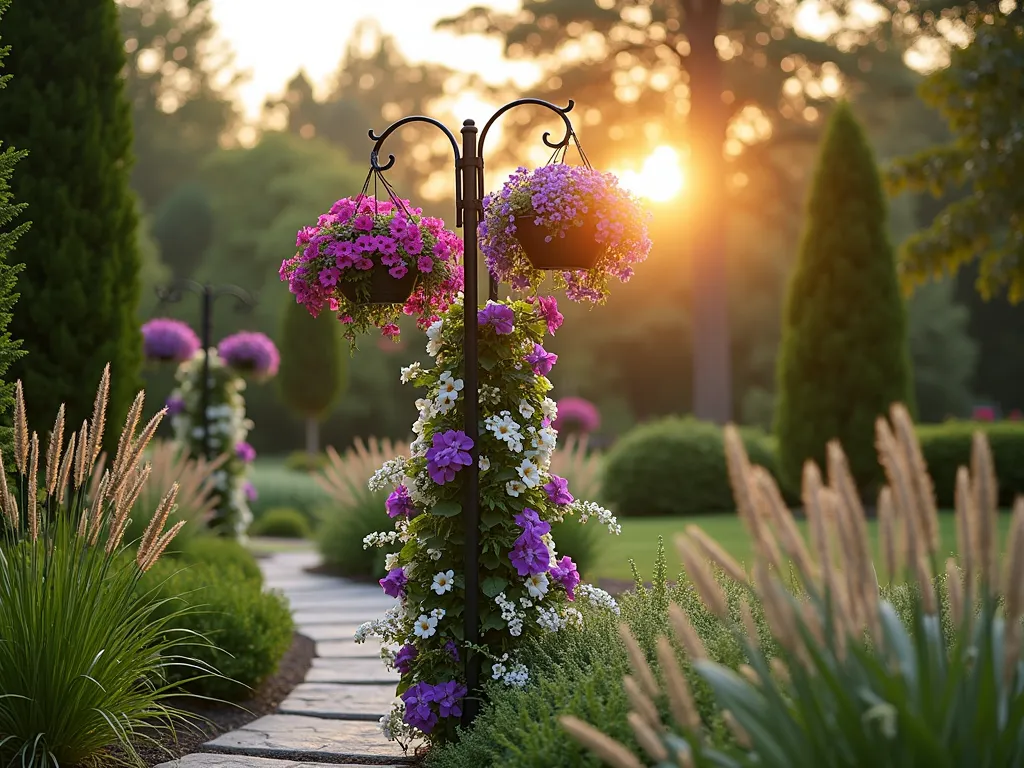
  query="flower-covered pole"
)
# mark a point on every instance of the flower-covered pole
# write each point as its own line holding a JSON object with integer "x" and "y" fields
{"x": 208, "y": 294}
{"x": 469, "y": 204}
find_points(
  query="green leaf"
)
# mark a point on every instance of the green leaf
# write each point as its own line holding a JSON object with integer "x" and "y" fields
{"x": 491, "y": 517}
{"x": 492, "y": 622}
{"x": 493, "y": 586}
{"x": 446, "y": 509}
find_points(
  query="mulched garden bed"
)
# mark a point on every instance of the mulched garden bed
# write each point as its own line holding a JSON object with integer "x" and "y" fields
{"x": 214, "y": 719}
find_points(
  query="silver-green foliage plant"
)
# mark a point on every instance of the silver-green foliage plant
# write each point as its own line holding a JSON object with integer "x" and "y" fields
{"x": 82, "y": 653}
{"x": 852, "y": 684}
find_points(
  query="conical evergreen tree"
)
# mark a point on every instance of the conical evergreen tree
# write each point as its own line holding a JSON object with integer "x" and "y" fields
{"x": 313, "y": 370}
{"x": 65, "y": 105}
{"x": 844, "y": 356}
{"x": 10, "y": 231}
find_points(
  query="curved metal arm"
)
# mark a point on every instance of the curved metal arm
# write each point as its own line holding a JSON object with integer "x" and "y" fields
{"x": 246, "y": 300}
{"x": 173, "y": 293}
{"x": 562, "y": 112}
{"x": 379, "y": 141}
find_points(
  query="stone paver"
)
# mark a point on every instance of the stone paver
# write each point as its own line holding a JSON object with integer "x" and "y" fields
{"x": 206, "y": 760}
{"x": 349, "y": 649}
{"x": 314, "y": 617}
{"x": 304, "y": 601}
{"x": 321, "y": 632}
{"x": 286, "y": 735}
{"x": 352, "y": 671}
{"x": 342, "y": 702}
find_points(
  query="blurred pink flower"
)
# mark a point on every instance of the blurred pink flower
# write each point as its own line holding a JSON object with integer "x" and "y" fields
{"x": 577, "y": 414}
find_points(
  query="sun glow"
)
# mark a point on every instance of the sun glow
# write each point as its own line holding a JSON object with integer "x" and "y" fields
{"x": 660, "y": 177}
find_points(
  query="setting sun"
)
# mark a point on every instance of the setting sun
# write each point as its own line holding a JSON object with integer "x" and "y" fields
{"x": 660, "y": 177}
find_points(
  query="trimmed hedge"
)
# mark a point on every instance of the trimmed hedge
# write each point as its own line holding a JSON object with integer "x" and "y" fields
{"x": 207, "y": 549}
{"x": 676, "y": 466}
{"x": 281, "y": 523}
{"x": 948, "y": 446}
{"x": 277, "y": 486}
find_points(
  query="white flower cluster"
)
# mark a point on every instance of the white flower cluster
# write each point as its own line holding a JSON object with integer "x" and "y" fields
{"x": 510, "y": 615}
{"x": 380, "y": 539}
{"x": 394, "y": 727}
{"x": 410, "y": 372}
{"x": 589, "y": 509}
{"x": 506, "y": 429}
{"x": 434, "y": 341}
{"x": 388, "y": 625}
{"x": 389, "y": 475}
{"x": 517, "y": 677}
{"x": 448, "y": 392}
{"x": 597, "y": 597}
{"x": 489, "y": 395}
{"x": 553, "y": 620}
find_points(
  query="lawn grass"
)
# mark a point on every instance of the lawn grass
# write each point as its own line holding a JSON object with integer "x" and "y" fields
{"x": 639, "y": 542}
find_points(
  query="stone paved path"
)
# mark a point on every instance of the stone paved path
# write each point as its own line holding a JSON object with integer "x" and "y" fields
{"x": 331, "y": 718}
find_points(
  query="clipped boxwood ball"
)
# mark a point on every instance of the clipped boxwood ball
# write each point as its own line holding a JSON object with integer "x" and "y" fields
{"x": 675, "y": 466}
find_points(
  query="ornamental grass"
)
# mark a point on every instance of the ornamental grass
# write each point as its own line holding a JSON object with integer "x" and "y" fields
{"x": 82, "y": 663}
{"x": 851, "y": 684}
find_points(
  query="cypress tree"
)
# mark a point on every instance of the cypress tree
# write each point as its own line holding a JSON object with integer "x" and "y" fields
{"x": 66, "y": 106}
{"x": 10, "y": 231}
{"x": 313, "y": 369}
{"x": 844, "y": 356}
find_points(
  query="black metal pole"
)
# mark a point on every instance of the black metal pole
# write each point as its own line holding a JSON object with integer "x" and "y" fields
{"x": 206, "y": 333}
{"x": 471, "y": 207}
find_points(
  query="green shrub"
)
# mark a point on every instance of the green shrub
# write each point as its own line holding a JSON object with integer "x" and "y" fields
{"x": 301, "y": 461}
{"x": 582, "y": 468}
{"x": 675, "y": 466}
{"x": 248, "y": 630}
{"x": 282, "y": 523}
{"x": 214, "y": 550}
{"x": 948, "y": 446}
{"x": 355, "y": 511}
{"x": 277, "y": 486}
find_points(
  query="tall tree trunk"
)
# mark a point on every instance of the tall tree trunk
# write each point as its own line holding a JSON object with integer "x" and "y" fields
{"x": 708, "y": 207}
{"x": 312, "y": 437}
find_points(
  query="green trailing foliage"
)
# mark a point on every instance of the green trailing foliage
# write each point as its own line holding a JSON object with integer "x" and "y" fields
{"x": 225, "y": 620}
{"x": 675, "y": 466}
{"x": 844, "y": 358}
{"x": 80, "y": 286}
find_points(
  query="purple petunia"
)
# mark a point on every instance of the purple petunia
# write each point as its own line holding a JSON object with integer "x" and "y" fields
{"x": 452, "y": 649}
{"x": 174, "y": 405}
{"x": 250, "y": 492}
{"x": 565, "y": 573}
{"x": 449, "y": 698}
{"x": 250, "y": 352}
{"x": 394, "y": 583}
{"x": 557, "y": 490}
{"x": 449, "y": 453}
{"x": 541, "y": 360}
{"x": 169, "y": 340}
{"x": 404, "y": 658}
{"x": 501, "y": 317}
{"x": 529, "y": 520}
{"x": 547, "y": 308}
{"x": 245, "y": 452}
{"x": 399, "y": 504}
{"x": 530, "y": 555}
{"x": 418, "y": 710}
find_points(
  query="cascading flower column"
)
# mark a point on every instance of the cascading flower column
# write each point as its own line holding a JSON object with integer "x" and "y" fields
{"x": 529, "y": 588}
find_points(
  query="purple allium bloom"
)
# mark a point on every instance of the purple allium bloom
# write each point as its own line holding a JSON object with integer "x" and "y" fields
{"x": 250, "y": 352}
{"x": 557, "y": 490}
{"x": 565, "y": 573}
{"x": 169, "y": 340}
{"x": 452, "y": 649}
{"x": 499, "y": 316}
{"x": 547, "y": 308}
{"x": 578, "y": 414}
{"x": 449, "y": 454}
{"x": 449, "y": 698}
{"x": 399, "y": 504}
{"x": 529, "y": 520}
{"x": 174, "y": 405}
{"x": 530, "y": 555}
{"x": 404, "y": 658}
{"x": 541, "y": 360}
{"x": 418, "y": 712}
{"x": 394, "y": 583}
{"x": 250, "y": 492}
{"x": 245, "y": 452}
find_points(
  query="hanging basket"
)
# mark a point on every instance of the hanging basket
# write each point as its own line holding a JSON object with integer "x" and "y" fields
{"x": 384, "y": 289}
{"x": 577, "y": 250}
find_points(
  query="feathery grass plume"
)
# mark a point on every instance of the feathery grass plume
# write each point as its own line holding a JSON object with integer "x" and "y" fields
{"x": 788, "y": 534}
{"x": 955, "y": 592}
{"x": 714, "y": 552}
{"x": 1013, "y": 606}
{"x": 137, "y": 449}
{"x": 31, "y": 495}
{"x": 738, "y": 466}
{"x": 124, "y": 442}
{"x": 841, "y": 481}
{"x": 123, "y": 507}
{"x": 702, "y": 578}
{"x": 811, "y": 489}
{"x": 5, "y": 495}
{"x": 748, "y": 623}
{"x": 887, "y": 536}
{"x": 159, "y": 520}
{"x": 685, "y": 632}
{"x": 604, "y": 747}
{"x": 20, "y": 429}
{"x": 646, "y": 737}
{"x": 83, "y": 460}
{"x": 99, "y": 418}
{"x": 966, "y": 519}
{"x": 737, "y": 730}
{"x": 924, "y": 489}
{"x": 641, "y": 702}
{"x": 53, "y": 451}
{"x": 64, "y": 472}
{"x": 680, "y": 698}
{"x": 96, "y": 509}
{"x": 638, "y": 662}
{"x": 986, "y": 507}
{"x": 156, "y": 551}
{"x": 896, "y": 471}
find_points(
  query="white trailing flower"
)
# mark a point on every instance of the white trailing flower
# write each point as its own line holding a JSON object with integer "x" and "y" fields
{"x": 529, "y": 473}
{"x": 597, "y": 597}
{"x": 410, "y": 372}
{"x": 537, "y": 584}
{"x": 549, "y": 408}
{"x": 588, "y": 509}
{"x": 514, "y": 487}
{"x": 389, "y": 475}
{"x": 443, "y": 582}
{"x": 425, "y": 626}
{"x": 434, "y": 342}
{"x": 484, "y": 463}
{"x": 380, "y": 539}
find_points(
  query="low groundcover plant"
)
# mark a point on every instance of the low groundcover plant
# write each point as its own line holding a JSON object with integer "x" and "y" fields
{"x": 528, "y": 589}
{"x": 560, "y": 197}
{"x": 852, "y": 684}
{"x": 360, "y": 235}
{"x": 82, "y": 653}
